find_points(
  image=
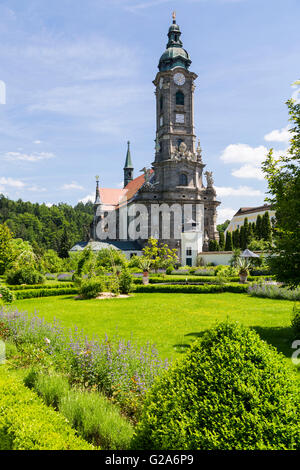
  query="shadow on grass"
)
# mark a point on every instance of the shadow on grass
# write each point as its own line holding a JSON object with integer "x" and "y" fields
{"x": 183, "y": 347}
{"x": 280, "y": 337}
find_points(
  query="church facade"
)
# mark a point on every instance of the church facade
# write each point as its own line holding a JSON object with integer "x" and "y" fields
{"x": 174, "y": 200}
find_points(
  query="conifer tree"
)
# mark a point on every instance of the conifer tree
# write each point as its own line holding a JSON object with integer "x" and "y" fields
{"x": 213, "y": 245}
{"x": 266, "y": 228}
{"x": 243, "y": 240}
{"x": 236, "y": 238}
{"x": 221, "y": 240}
{"x": 258, "y": 227}
{"x": 228, "y": 243}
{"x": 247, "y": 232}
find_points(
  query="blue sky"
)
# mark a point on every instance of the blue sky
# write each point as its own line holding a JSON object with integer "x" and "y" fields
{"x": 78, "y": 78}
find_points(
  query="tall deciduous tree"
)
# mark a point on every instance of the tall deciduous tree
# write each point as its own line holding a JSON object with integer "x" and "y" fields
{"x": 5, "y": 247}
{"x": 283, "y": 176}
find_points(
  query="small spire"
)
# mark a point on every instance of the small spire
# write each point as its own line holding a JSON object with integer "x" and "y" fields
{"x": 97, "y": 196}
{"x": 128, "y": 162}
{"x": 174, "y": 17}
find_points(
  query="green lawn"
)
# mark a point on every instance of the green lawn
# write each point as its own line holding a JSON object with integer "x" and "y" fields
{"x": 171, "y": 321}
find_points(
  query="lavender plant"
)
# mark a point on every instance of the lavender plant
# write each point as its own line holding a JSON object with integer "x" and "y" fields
{"x": 113, "y": 366}
{"x": 273, "y": 291}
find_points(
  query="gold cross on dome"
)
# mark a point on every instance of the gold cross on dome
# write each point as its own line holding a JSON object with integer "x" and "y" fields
{"x": 97, "y": 178}
{"x": 174, "y": 15}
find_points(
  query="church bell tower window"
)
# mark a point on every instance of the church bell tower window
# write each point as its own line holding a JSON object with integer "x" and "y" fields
{"x": 183, "y": 180}
{"x": 179, "y": 98}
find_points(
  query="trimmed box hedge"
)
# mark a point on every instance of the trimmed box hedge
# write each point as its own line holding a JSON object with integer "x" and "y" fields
{"x": 191, "y": 289}
{"x": 39, "y": 286}
{"x": 30, "y": 294}
{"x": 194, "y": 279}
{"x": 26, "y": 423}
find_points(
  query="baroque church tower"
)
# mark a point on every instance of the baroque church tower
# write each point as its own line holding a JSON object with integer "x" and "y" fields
{"x": 176, "y": 177}
{"x": 178, "y": 166}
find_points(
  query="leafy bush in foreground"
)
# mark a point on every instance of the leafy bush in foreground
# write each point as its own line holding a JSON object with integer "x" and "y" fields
{"x": 27, "y": 424}
{"x": 230, "y": 391}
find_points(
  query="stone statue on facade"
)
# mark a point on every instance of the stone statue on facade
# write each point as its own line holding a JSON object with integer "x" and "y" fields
{"x": 199, "y": 152}
{"x": 209, "y": 179}
{"x": 182, "y": 153}
{"x": 147, "y": 174}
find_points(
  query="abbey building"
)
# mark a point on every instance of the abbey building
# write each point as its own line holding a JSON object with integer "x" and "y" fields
{"x": 176, "y": 190}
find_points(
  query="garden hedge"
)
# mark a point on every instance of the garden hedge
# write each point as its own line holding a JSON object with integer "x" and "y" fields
{"x": 39, "y": 286}
{"x": 156, "y": 279}
{"x": 30, "y": 294}
{"x": 191, "y": 289}
{"x": 26, "y": 423}
{"x": 231, "y": 390}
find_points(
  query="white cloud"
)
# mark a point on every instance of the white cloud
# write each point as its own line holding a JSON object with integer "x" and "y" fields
{"x": 88, "y": 198}
{"x": 11, "y": 182}
{"x": 37, "y": 142}
{"x": 27, "y": 157}
{"x": 35, "y": 188}
{"x": 248, "y": 171}
{"x": 49, "y": 204}
{"x": 243, "y": 153}
{"x": 278, "y": 135}
{"x": 71, "y": 186}
{"x": 225, "y": 213}
{"x": 223, "y": 191}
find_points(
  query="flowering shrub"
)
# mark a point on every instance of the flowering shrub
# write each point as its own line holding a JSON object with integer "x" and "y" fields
{"x": 113, "y": 366}
{"x": 273, "y": 292}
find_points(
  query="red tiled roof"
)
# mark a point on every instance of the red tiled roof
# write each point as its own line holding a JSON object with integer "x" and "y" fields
{"x": 113, "y": 196}
{"x": 134, "y": 185}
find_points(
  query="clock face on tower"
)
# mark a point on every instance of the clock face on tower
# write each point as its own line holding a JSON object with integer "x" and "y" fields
{"x": 179, "y": 79}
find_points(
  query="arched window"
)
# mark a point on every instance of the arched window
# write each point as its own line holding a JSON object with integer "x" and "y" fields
{"x": 180, "y": 98}
{"x": 183, "y": 180}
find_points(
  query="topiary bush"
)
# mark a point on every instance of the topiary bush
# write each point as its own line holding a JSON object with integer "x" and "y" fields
{"x": 230, "y": 391}
{"x": 24, "y": 275}
{"x": 90, "y": 288}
